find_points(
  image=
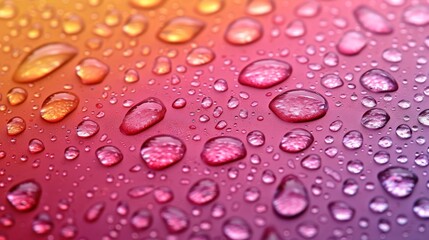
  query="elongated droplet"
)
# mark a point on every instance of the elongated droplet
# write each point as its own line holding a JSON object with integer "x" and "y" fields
{"x": 331, "y": 81}
{"x": 351, "y": 43}
{"x": 207, "y": 7}
{"x": 399, "y": 182}
{"x": 421, "y": 208}
{"x": 299, "y": 105}
{"x": 87, "y": 128}
{"x": 353, "y": 140}
{"x": 94, "y": 212}
{"x": 341, "y": 211}
{"x": 203, "y": 191}
{"x": 72, "y": 24}
{"x": 43, "y": 61}
{"x": 141, "y": 219}
{"x": 25, "y": 195}
{"x": 146, "y": 4}
{"x": 135, "y": 26}
{"x": 296, "y": 140}
{"x": 259, "y": 7}
{"x": 180, "y": 30}
{"x": 222, "y": 150}
{"x": 42, "y": 224}
{"x": 15, "y": 126}
{"x": 265, "y": 73}
{"x": 236, "y": 228}
{"x": 162, "y": 151}
{"x": 372, "y": 20}
{"x": 142, "y": 116}
{"x": 417, "y": 15}
{"x": 175, "y": 219}
{"x": 91, "y": 71}
{"x": 295, "y": 29}
{"x": 140, "y": 191}
{"x": 109, "y": 155}
{"x": 244, "y": 31}
{"x": 375, "y": 118}
{"x": 378, "y": 81}
{"x": 162, "y": 65}
{"x": 16, "y": 96}
{"x": 58, "y": 105}
{"x": 423, "y": 117}
{"x": 291, "y": 197}
{"x": 200, "y": 56}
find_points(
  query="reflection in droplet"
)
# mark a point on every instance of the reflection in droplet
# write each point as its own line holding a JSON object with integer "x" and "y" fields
{"x": 162, "y": 65}
{"x": 42, "y": 224}
{"x": 146, "y": 4}
{"x": 311, "y": 162}
{"x": 236, "y": 228}
{"x": 421, "y": 208}
{"x": 375, "y": 118}
{"x": 259, "y": 7}
{"x": 378, "y": 81}
{"x": 72, "y": 24}
{"x": 94, "y": 212}
{"x": 141, "y": 219}
{"x": 109, "y": 155}
{"x": 341, "y": 211}
{"x": 16, "y": 96}
{"x": 91, "y": 71}
{"x": 307, "y": 230}
{"x": 25, "y": 195}
{"x": 15, "y": 126}
{"x": 162, "y": 151}
{"x": 243, "y": 31}
{"x": 203, "y": 191}
{"x": 295, "y": 29}
{"x": 265, "y": 73}
{"x": 87, "y": 128}
{"x": 36, "y": 146}
{"x": 200, "y": 56}
{"x": 222, "y": 150}
{"x": 174, "y": 219}
{"x": 71, "y": 153}
{"x": 372, "y": 20}
{"x": 308, "y": 9}
{"x": 58, "y": 105}
{"x": 403, "y": 131}
{"x": 353, "y": 140}
{"x": 135, "y": 25}
{"x": 351, "y": 43}
{"x": 131, "y": 76}
{"x": 331, "y": 81}
{"x": 417, "y": 15}
{"x": 399, "y": 182}
{"x": 423, "y": 117}
{"x": 256, "y": 138}
{"x": 296, "y": 140}
{"x": 207, "y": 7}
{"x": 180, "y": 30}
{"x": 291, "y": 197}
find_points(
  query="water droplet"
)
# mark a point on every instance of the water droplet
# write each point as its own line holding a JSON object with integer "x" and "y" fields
{"x": 109, "y": 155}
{"x": 378, "y": 81}
{"x": 259, "y": 7}
{"x": 15, "y": 126}
{"x": 200, "y": 56}
{"x": 36, "y": 146}
{"x": 308, "y": 9}
{"x": 256, "y": 138}
{"x": 369, "y": 102}
{"x": 180, "y": 30}
{"x": 42, "y": 61}
{"x": 421, "y": 208}
{"x": 94, "y": 212}
{"x": 42, "y": 224}
{"x": 331, "y": 59}
{"x": 398, "y": 181}
{"x": 353, "y": 140}
{"x": 131, "y": 76}
{"x": 58, "y": 105}
{"x": 141, "y": 219}
{"x": 146, "y": 4}
{"x": 378, "y": 205}
{"x": 270, "y": 234}
{"x": 296, "y": 140}
{"x": 87, "y": 128}
{"x": 162, "y": 65}
{"x": 295, "y": 29}
{"x": 350, "y": 187}
{"x": 16, "y": 96}
{"x": 91, "y": 71}
{"x": 265, "y": 73}
{"x": 375, "y": 118}
{"x": 174, "y": 219}
{"x": 311, "y": 162}
{"x": 331, "y": 81}
{"x": 203, "y": 192}
{"x": 135, "y": 25}
{"x": 220, "y": 85}
{"x": 236, "y": 228}
{"x": 140, "y": 191}
{"x": 299, "y": 105}
{"x": 372, "y": 20}
{"x": 252, "y": 194}
{"x": 7, "y": 10}
{"x": 423, "y": 117}
{"x": 162, "y": 151}
{"x": 72, "y": 24}
{"x": 207, "y": 7}
{"x": 417, "y": 15}
{"x": 68, "y": 231}
{"x": 404, "y": 131}
{"x": 392, "y": 55}
{"x": 143, "y": 115}
{"x": 222, "y": 150}
{"x": 25, "y": 195}
{"x": 351, "y": 43}
{"x": 336, "y": 125}
{"x": 163, "y": 194}
{"x": 307, "y": 230}
{"x": 71, "y": 153}
{"x": 268, "y": 176}
{"x": 341, "y": 211}
{"x": 291, "y": 197}
{"x": 244, "y": 31}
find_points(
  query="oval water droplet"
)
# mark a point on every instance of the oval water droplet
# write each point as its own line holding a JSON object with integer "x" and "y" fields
{"x": 87, "y": 128}
{"x": 265, "y": 73}
{"x": 331, "y": 81}
{"x": 162, "y": 65}
{"x": 42, "y": 61}
{"x": 291, "y": 197}
{"x": 259, "y": 7}
{"x": 392, "y": 55}
{"x": 378, "y": 81}
{"x": 109, "y": 155}
{"x": 200, "y": 56}
{"x": 91, "y": 71}
{"x": 162, "y": 151}
{"x": 131, "y": 76}
{"x": 399, "y": 182}
{"x": 295, "y": 29}
{"x": 243, "y": 31}
{"x": 180, "y": 30}
{"x": 236, "y": 228}
{"x": 311, "y": 162}
{"x": 353, "y": 140}
{"x": 423, "y": 117}
{"x": 351, "y": 43}
{"x": 296, "y": 140}
{"x": 222, "y": 150}
{"x": 58, "y": 105}
{"x": 421, "y": 208}
{"x": 25, "y": 196}
{"x": 378, "y": 205}
{"x": 143, "y": 115}
{"x": 299, "y": 105}
{"x": 207, "y": 7}
{"x": 36, "y": 146}
{"x": 146, "y": 4}
{"x": 141, "y": 219}
{"x": 71, "y": 153}
{"x": 94, "y": 212}
{"x": 72, "y": 24}
{"x": 255, "y": 138}
{"x": 16, "y": 96}
{"x": 308, "y": 9}
{"x": 372, "y": 20}
{"x": 341, "y": 211}
{"x": 42, "y": 224}
{"x": 203, "y": 192}
{"x": 15, "y": 126}
{"x": 403, "y": 131}
{"x": 417, "y": 15}
{"x": 135, "y": 25}
{"x": 375, "y": 118}
{"x": 174, "y": 219}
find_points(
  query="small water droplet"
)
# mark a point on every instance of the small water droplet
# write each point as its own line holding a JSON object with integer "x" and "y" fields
{"x": 404, "y": 131}
{"x": 87, "y": 128}
{"x": 25, "y": 195}
{"x": 265, "y": 73}
{"x": 353, "y": 140}
{"x": 307, "y": 230}
{"x": 259, "y": 7}
{"x": 162, "y": 66}
{"x": 200, "y": 56}
{"x": 109, "y": 155}
{"x": 94, "y": 212}
{"x": 421, "y": 208}
{"x": 71, "y": 153}
{"x": 146, "y": 4}
{"x": 42, "y": 224}
{"x": 291, "y": 197}
{"x": 207, "y": 7}
{"x": 378, "y": 204}
{"x": 256, "y": 138}
{"x": 308, "y": 9}
{"x": 417, "y": 15}
{"x": 135, "y": 25}
{"x": 331, "y": 81}
{"x": 58, "y": 105}
{"x": 423, "y": 117}
{"x": 222, "y": 150}
{"x": 141, "y": 219}
{"x": 311, "y": 162}
{"x": 36, "y": 146}
{"x": 203, "y": 192}
{"x": 72, "y": 24}
{"x": 243, "y": 31}
{"x": 295, "y": 29}
{"x": 162, "y": 151}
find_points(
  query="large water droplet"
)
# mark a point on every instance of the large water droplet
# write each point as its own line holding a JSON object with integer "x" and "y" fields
{"x": 423, "y": 117}
{"x": 180, "y": 30}
{"x": 109, "y": 155}
{"x": 353, "y": 140}
{"x": 25, "y": 195}
{"x": 236, "y": 228}
{"x": 265, "y": 73}
{"x": 87, "y": 128}
{"x": 399, "y": 182}
{"x": 207, "y": 7}
{"x": 15, "y": 126}
{"x": 146, "y": 4}
{"x": 175, "y": 219}
{"x": 296, "y": 140}
{"x": 222, "y": 150}
{"x": 135, "y": 25}
{"x": 16, "y": 96}
{"x": 417, "y": 15}
{"x": 58, "y": 105}
{"x": 351, "y": 43}
{"x": 421, "y": 208}
{"x": 243, "y": 31}
{"x": 162, "y": 151}
{"x": 375, "y": 118}
{"x": 341, "y": 211}
{"x": 91, "y": 71}
{"x": 299, "y": 105}
{"x": 200, "y": 56}
{"x": 142, "y": 116}
{"x": 372, "y": 20}
{"x": 42, "y": 61}
{"x": 291, "y": 197}
{"x": 203, "y": 191}
{"x": 378, "y": 81}
{"x": 259, "y": 7}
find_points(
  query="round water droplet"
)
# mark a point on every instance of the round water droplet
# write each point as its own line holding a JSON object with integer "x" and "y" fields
{"x": 203, "y": 191}
{"x": 200, "y": 56}
{"x": 350, "y": 187}
{"x": 372, "y": 20}
{"x": 135, "y": 25}
{"x": 162, "y": 66}
{"x": 142, "y": 116}
{"x": 291, "y": 197}
{"x": 244, "y": 31}
{"x": 331, "y": 59}
{"x": 162, "y": 151}
{"x": 421, "y": 208}
{"x": 259, "y": 7}
{"x": 256, "y": 138}
{"x": 331, "y": 81}
{"x": 87, "y": 128}
{"x": 307, "y": 230}
{"x": 131, "y": 76}
{"x": 399, "y": 182}
{"x": 42, "y": 224}
{"x": 16, "y": 96}
{"x": 265, "y": 73}
{"x": 311, "y": 162}
{"x": 417, "y": 15}
{"x": 355, "y": 166}
{"x": 146, "y": 4}
{"x": 236, "y": 228}
{"x": 72, "y": 24}
{"x": 308, "y": 9}
{"x": 91, "y": 71}
{"x": 109, "y": 155}
{"x": 295, "y": 29}
{"x": 222, "y": 150}
{"x": 58, "y": 105}
{"x": 42, "y": 61}
{"x": 378, "y": 205}
{"x": 369, "y": 102}
{"x": 207, "y": 7}
{"x": 180, "y": 30}
{"x": 423, "y": 117}
{"x": 71, "y": 153}
{"x": 378, "y": 81}
{"x": 15, "y": 126}
{"x": 336, "y": 125}
{"x": 375, "y": 118}
{"x": 36, "y": 146}
{"x": 174, "y": 219}
{"x": 296, "y": 140}
{"x": 94, "y": 212}
{"x": 252, "y": 194}
{"x": 404, "y": 131}
{"x": 353, "y": 140}
{"x": 299, "y": 105}
{"x": 341, "y": 211}
{"x": 351, "y": 43}
{"x": 141, "y": 219}
{"x": 392, "y": 55}
{"x": 163, "y": 194}
{"x": 25, "y": 195}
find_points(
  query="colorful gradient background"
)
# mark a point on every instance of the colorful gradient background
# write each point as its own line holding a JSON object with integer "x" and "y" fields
{"x": 83, "y": 181}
